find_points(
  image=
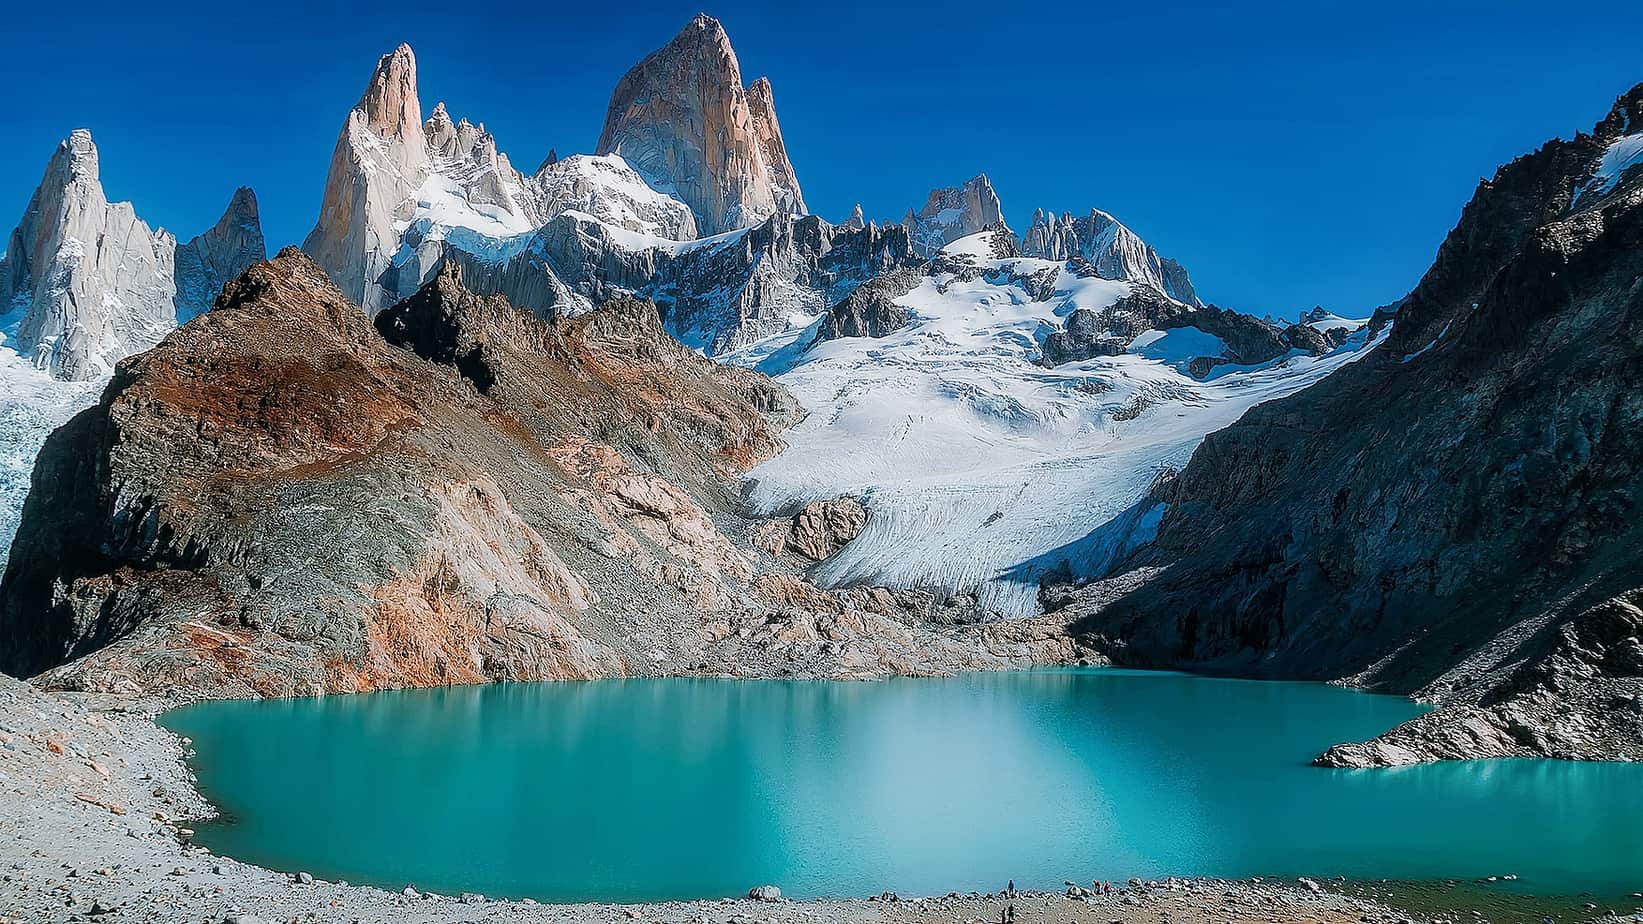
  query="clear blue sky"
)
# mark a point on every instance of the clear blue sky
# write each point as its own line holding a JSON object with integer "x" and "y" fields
{"x": 1288, "y": 155}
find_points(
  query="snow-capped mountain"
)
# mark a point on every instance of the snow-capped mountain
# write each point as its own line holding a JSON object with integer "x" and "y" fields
{"x": 982, "y": 469}
{"x": 686, "y": 151}
{"x": 85, "y": 283}
{"x": 1114, "y": 250}
{"x": 949, "y": 366}
{"x": 86, "y": 279}
{"x": 953, "y": 212}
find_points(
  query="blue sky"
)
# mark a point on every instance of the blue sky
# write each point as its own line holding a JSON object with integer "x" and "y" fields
{"x": 1288, "y": 155}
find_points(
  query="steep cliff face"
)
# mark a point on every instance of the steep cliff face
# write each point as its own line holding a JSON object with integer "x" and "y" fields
{"x": 730, "y": 294}
{"x": 683, "y": 118}
{"x": 459, "y": 493}
{"x": 211, "y": 259}
{"x": 1437, "y": 515}
{"x": 380, "y": 160}
{"x": 89, "y": 281}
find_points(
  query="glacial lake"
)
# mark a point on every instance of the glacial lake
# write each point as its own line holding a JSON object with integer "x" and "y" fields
{"x": 623, "y": 790}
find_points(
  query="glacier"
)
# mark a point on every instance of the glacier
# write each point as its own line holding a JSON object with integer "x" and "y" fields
{"x": 981, "y": 469}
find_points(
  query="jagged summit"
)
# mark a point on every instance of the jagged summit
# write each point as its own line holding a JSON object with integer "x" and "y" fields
{"x": 211, "y": 259}
{"x": 92, "y": 281}
{"x": 380, "y": 159}
{"x": 953, "y": 212}
{"x": 683, "y": 118}
{"x": 390, "y": 102}
{"x": 1114, "y": 250}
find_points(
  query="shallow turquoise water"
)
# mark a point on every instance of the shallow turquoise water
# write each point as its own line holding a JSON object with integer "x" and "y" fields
{"x": 645, "y": 789}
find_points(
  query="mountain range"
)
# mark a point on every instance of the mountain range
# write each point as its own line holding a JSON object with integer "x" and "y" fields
{"x": 637, "y": 412}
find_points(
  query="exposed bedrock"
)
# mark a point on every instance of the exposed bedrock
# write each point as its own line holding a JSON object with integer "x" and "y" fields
{"x": 1453, "y": 516}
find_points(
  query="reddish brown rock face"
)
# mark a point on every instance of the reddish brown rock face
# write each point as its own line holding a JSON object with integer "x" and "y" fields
{"x": 285, "y": 498}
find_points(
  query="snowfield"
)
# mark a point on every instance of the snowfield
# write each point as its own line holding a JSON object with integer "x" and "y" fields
{"x": 32, "y": 404}
{"x": 980, "y": 468}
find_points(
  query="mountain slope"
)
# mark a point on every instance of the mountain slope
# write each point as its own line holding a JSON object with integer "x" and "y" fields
{"x": 1451, "y": 517}
{"x": 982, "y": 469}
{"x": 459, "y": 493}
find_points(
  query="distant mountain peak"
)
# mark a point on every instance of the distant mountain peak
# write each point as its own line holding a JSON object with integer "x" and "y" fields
{"x": 1112, "y": 249}
{"x": 93, "y": 281}
{"x": 953, "y": 212}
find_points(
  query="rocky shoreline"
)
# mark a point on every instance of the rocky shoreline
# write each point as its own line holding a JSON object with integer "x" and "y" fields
{"x": 95, "y": 797}
{"x": 95, "y": 800}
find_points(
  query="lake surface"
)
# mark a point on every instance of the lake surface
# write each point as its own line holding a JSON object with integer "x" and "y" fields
{"x": 648, "y": 789}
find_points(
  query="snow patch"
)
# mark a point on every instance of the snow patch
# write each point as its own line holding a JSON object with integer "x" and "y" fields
{"x": 1624, "y": 154}
{"x": 32, "y": 404}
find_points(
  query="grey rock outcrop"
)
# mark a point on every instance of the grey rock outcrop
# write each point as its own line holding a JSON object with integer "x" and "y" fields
{"x": 211, "y": 259}
{"x": 92, "y": 281}
{"x": 1110, "y": 331}
{"x": 871, "y": 310}
{"x": 1114, "y": 250}
{"x": 683, "y": 118}
{"x": 1449, "y": 513}
{"x": 1578, "y": 696}
{"x": 953, "y": 212}
{"x": 823, "y": 527}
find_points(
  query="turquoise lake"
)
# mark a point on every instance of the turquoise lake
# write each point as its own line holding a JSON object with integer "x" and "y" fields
{"x": 648, "y": 789}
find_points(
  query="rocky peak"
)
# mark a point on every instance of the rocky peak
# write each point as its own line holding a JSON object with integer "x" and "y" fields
{"x": 1111, "y": 248}
{"x": 389, "y": 103}
{"x": 1626, "y": 117}
{"x": 856, "y": 221}
{"x": 682, "y": 118}
{"x": 93, "y": 282}
{"x": 211, "y": 259}
{"x": 439, "y": 131}
{"x": 954, "y": 212}
{"x": 380, "y": 160}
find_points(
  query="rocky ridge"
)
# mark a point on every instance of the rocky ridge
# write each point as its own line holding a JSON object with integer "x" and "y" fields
{"x": 461, "y": 493}
{"x": 1445, "y": 518}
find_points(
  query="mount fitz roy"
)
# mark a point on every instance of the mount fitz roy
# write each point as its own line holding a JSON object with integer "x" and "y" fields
{"x": 638, "y": 413}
